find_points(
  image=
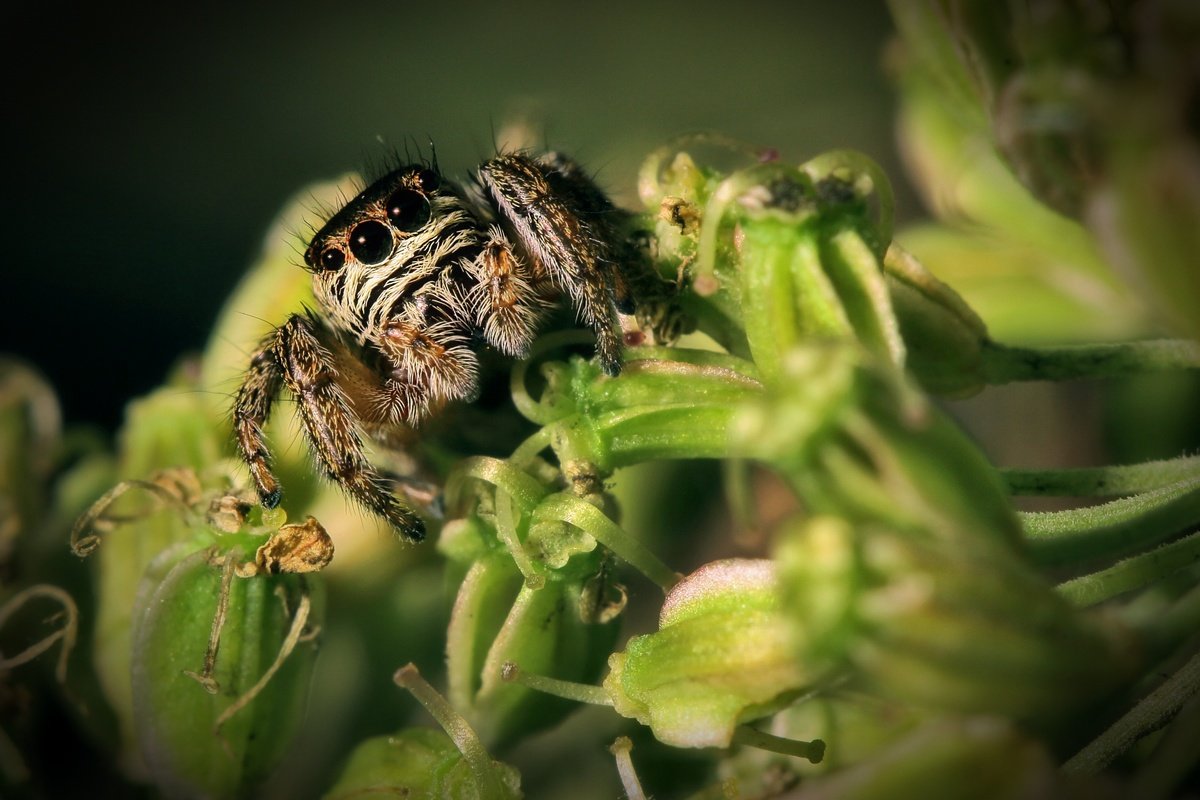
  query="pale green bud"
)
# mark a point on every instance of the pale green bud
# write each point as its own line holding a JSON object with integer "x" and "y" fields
{"x": 219, "y": 673}
{"x": 722, "y": 656}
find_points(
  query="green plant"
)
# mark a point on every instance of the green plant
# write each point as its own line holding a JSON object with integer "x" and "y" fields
{"x": 901, "y": 628}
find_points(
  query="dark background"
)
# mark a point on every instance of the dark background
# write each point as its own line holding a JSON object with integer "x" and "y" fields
{"x": 150, "y": 153}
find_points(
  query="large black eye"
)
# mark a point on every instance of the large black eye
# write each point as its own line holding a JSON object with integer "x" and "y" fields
{"x": 332, "y": 258}
{"x": 407, "y": 210}
{"x": 371, "y": 242}
{"x": 429, "y": 180}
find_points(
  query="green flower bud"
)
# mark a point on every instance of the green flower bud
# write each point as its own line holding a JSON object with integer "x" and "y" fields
{"x": 218, "y": 680}
{"x": 165, "y": 431}
{"x": 427, "y": 763}
{"x": 415, "y": 763}
{"x": 669, "y": 404}
{"x": 856, "y": 440}
{"x": 945, "y": 338}
{"x": 810, "y": 262}
{"x": 553, "y": 630}
{"x": 979, "y": 757}
{"x": 175, "y": 503}
{"x": 722, "y": 656}
{"x": 966, "y": 629}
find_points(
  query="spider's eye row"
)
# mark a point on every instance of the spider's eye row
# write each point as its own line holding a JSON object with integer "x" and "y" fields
{"x": 371, "y": 242}
{"x": 407, "y": 209}
{"x": 332, "y": 258}
{"x": 429, "y": 180}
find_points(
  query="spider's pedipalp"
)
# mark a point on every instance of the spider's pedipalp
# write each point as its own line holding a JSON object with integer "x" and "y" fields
{"x": 507, "y": 299}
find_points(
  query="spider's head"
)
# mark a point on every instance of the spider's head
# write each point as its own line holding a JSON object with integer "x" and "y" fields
{"x": 367, "y": 229}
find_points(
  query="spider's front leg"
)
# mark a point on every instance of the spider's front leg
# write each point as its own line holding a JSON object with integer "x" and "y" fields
{"x": 296, "y": 355}
{"x": 250, "y": 412}
{"x": 556, "y": 220}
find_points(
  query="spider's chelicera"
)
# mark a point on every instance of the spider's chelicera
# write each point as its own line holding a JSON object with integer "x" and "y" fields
{"x": 409, "y": 277}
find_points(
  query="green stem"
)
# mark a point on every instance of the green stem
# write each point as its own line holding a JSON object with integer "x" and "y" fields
{"x": 1149, "y": 715}
{"x": 479, "y": 761}
{"x": 737, "y": 481}
{"x": 1132, "y": 573}
{"x": 568, "y": 690}
{"x": 592, "y": 521}
{"x": 788, "y": 297}
{"x": 814, "y": 751}
{"x": 649, "y": 433}
{"x": 1004, "y": 364}
{"x": 621, "y": 749}
{"x": 1176, "y": 755}
{"x": 1108, "y": 481}
{"x": 1114, "y": 528}
{"x": 700, "y": 358}
{"x": 855, "y": 270}
{"x": 523, "y": 488}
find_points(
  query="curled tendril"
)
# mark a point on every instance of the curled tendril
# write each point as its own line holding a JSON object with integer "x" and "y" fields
{"x": 83, "y": 542}
{"x": 529, "y": 407}
{"x": 68, "y": 633}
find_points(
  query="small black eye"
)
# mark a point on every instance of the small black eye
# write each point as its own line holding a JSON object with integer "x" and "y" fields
{"x": 407, "y": 210}
{"x": 332, "y": 258}
{"x": 429, "y": 180}
{"x": 371, "y": 242}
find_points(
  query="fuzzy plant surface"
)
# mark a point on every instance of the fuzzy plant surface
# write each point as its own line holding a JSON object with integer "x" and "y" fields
{"x": 766, "y": 560}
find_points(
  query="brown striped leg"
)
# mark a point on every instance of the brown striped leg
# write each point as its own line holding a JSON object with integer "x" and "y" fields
{"x": 250, "y": 413}
{"x": 331, "y": 425}
{"x": 560, "y": 222}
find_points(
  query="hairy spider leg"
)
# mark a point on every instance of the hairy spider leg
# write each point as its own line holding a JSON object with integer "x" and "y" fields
{"x": 636, "y": 287}
{"x": 307, "y": 369}
{"x": 250, "y": 412}
{"x": 568, "y": 249}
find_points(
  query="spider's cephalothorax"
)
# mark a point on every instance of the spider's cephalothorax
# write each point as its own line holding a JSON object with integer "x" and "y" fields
{"x": 408, "y": 276}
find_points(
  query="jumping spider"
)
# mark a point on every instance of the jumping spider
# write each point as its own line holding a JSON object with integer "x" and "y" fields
{"x": 409, "y": 277}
